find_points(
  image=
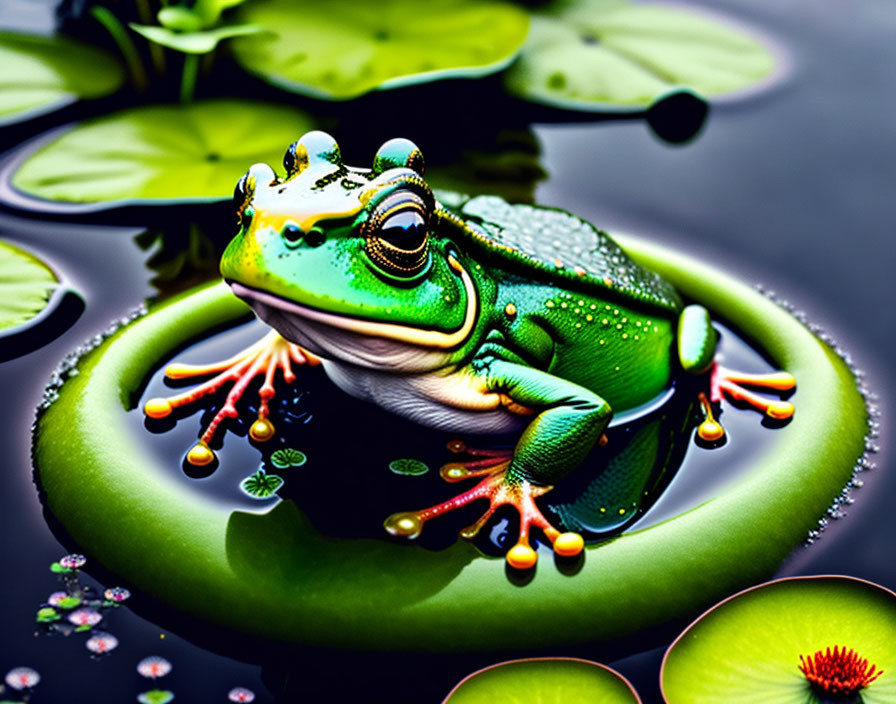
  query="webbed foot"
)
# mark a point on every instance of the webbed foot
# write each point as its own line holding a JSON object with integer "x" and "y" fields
{"x": 266, "y": 356}
{"x": 500, "y": 488}
{"x": 727, "y": 383}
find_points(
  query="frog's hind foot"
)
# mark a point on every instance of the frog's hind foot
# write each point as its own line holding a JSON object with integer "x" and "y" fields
{"x": 266, "y": 356}
{"x": 500, "y": 489}
{"x": 727, "y": 383}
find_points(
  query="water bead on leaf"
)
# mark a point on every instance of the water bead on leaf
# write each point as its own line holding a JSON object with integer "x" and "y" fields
{"x": 22, "y": 678}
{"x": 73, "y": 561}
{"x": 117, "y": 594}
{"x": 101, "y": 643}
{"x": 155, "y": 696}
{"x": 241, "y": 694}
{"x": 154, "y": 666}
{"x": 85, "y": 617}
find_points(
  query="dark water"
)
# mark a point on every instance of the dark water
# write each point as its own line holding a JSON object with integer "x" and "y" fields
{"x": 792, "y": 188}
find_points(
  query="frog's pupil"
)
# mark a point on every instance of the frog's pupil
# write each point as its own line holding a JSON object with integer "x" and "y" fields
{"x": 406, "y": 230}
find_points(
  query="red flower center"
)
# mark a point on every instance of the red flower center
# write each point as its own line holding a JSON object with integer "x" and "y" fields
{"x": 838, "y": 671}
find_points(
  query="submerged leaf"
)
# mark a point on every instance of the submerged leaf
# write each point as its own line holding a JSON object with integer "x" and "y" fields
{"x": 41, "y": 74}
{"x": 26, "y": 284}
{"x": 161, "y": 153}
{"x": 261, "y": 484}
{"x": 606, "y": 54}
{"x": 544, "y": 681}
{"x": 342, "y": 49}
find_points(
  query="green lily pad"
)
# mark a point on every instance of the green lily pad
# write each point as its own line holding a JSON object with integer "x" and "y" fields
{"x": 287, "y": 457}
{"x": 26, "y": 285}
{"x": 155, "y": 696}
{"x": 261, "y": 485}
{"x": 748, "y": 648}
{"x": 411, "y": 468}
{"x": 544, "y": 681}
{"x": 42, "y": 74}
{"x": 342, "y": 49}
{"x": 128, "y": 511}
{"x": 160, "y": 154}
{"x": 47, "y": 614}
{"x": 614, "y": 55}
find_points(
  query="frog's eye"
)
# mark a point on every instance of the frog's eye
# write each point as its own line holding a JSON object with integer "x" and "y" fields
{"x": 397, "y": 234}
{"x": 241, "y": 199}
{"x": 314, "y": 148}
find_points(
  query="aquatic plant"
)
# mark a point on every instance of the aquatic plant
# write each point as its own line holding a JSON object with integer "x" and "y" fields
{"x": 241, "y": 694}
{"x": 409, "y": 467}
{"x": 261, "y": 484}
{"x": 153, "y": 667}
{"x": 73, "y": 561}
{"x": 117, "y": 594}
{"x": 155, "y": 696}
{"x": 795, "y": 640}
{"x": 287, "y": 457}
{"x": 85, "y": 618}
{"x": 20, "y": 678}
{"x": 101, "y": 643}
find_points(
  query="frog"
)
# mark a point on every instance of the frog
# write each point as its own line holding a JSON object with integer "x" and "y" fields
{"x": 470, "y": 315}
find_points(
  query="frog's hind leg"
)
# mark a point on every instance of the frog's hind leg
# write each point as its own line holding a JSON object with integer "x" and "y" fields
{"x": 267, "y": 356}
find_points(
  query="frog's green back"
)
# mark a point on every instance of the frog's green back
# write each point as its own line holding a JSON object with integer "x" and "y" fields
{"x": 566, "y": 248}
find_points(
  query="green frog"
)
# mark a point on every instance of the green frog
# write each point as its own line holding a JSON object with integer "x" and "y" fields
{"x": 468, "y": 315}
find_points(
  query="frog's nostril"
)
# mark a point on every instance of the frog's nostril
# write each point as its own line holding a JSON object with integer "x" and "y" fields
{"x": 315, "y": 237}
{"x": 292, "y": 233}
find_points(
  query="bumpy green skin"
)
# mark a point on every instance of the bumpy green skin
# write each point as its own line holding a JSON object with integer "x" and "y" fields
{"x": 566, "y": 325}
{"x": 276, "y": 576}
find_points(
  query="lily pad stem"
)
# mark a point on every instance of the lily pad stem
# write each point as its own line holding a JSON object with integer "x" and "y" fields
{"x": 105, "y": 17}
{"x": 155, "y": 51}
{"x": 188, "y": 81}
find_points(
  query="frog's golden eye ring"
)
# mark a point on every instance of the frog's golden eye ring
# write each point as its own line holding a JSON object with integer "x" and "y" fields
{"x": 397, "y": 234}
{"x": 397, "y": 153}
{"x": 313, "y": 149}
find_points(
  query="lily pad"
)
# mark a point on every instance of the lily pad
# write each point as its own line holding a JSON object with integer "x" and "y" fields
{"x": 600, "y": 55}
{"x": 158, "y": 154}
{"x": 155, "y": 696}
{"x": 261, "y": 485}
{"x": 342, "y": 49}
{"x": 409, "y": 467}
{"x": 544, "y": 681}
{"x": 287, "y": 457}
{"x": 26, "y": 286}
{"x": 42, "y": 74}
{"x": 748, "y": 648}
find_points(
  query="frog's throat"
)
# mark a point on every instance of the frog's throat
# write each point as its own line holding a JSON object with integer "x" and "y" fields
{"x": 370, "y": 328}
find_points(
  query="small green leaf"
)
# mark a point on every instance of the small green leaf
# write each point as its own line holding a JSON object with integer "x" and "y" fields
{"x": 412, "y": 468}
{"x": 210, "y": 10}
{"x": 287, "y": 457}
{"x": 69, "y": 602}
{"x": 41, "y": 74}
{"x": 262, "y": 485}
{"x": 544, "y": 681}
{"x": 196, "y": 42}
{"x": 161, "y": 153}
{"x": 155, "y": 696}
{"x": 342, "y": 49}
{"x": 606, "y": 54}
{"x": 59, "y": 569}
{"x": 179, "y": 19}
{"x": 748, "y": 647}
{"x": 47, "y": 615}
{"x": 26, "y": 284}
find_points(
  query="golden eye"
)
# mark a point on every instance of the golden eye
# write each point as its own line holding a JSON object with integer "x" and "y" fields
{"x": 398, "y": 233}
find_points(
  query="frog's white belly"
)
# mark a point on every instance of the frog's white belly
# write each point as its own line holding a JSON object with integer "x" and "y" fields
{"x": 452, "y": 402}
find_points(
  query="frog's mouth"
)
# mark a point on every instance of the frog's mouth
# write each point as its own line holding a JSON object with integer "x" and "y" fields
{"x": 313, "y": 328}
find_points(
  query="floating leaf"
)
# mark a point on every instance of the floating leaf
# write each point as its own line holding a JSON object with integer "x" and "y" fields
{"x": 261, "y": 485}
{"x": 606, "y": 54}
{"x": 42, "y": 74}
{"x": 155, "y": 696}
{"x": 343, "y": 49}
{"x": 68, "y": 602}
{"x": 408, "y": 467}
{"x": 160, "y": 153}
{"x": 56, "y": 568}
{"x": 748, "y": 648}
{"x": 544, "y": 681}
{"x": 288, "y": 457}
{"x": 194, "y": 42}
{"x": 26, "y": 284}
{"x": 47, "y": 615}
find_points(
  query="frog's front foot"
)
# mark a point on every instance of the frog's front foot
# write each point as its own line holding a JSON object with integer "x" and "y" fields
{"x": 501, "y": 487}
{"x": 727, "y": 383}
{"x": 265, "y": 357}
